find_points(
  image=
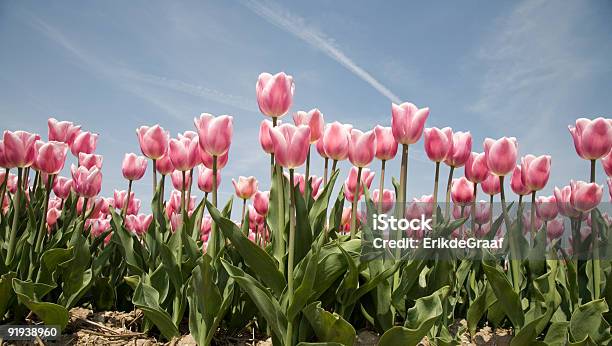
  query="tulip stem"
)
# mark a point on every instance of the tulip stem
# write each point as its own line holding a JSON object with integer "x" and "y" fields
{"x": 595, "y": 229}
{"x": 334, "y": 164}
{"x": 354, "y": 206}
{"x": 381, "y": 187}
{"x": 289, "y": 336}
{"x": 435, "y": 193}
{"x": 3, "y": 191}
{"x": 43, "y": 222}
{"x": 400, "y": 207}
{"x": 490, "y": 211}
{"x": 183, "y": 189}
{"x": 243, "y": 214}
{"x": 324, "y": 171}
{"x": 126, "y": 201}
{"x": 189, "y": 186}
{"x": 307, "y": 176}
{"x": 154, "y": 177}
{"x": 162, "y": 192}
{"x": 473, "y": 211}
{"x": 16, "y": 210}
{"x": 514, "y": 263}
{"x": 213, "y": 241}
{"x": 533, "y": 215}
{"x": 36, "y": 181}
{"x": 271, "y": 166}
{"x": 448, "y": 192}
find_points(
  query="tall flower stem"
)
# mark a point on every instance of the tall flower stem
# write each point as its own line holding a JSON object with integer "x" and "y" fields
{"x": 289, "y": 336}
{"x": 213, "y": 243}
{"x": 473, "y": 211}
{"x": 183, "y": 188}
{"x": 435, "y": 193}
{"x": 16, "y": 211}
{"x": 381, "y": 187}
{"x": 154, "y": 176}
{"x": 307, "y": 176}
{"x": 595, "y": 231}
{"x": 514, "y": 263}
{"x": 400, "y": 208}
{"x": 162, "y": 192}
{"x": 189, "y": 186}
{"x": 491, "y": 211}
{"x": 271, "y": 166}
{"x": 126, "y": 202}
{"x": 334, "y": 164}
{"x": 448, "y": 192}
{"x": 43, "y": 221}
{"x": 533, "y": 216}
{"x": 3, "y": 189}
{"x": 324, "y": 171}
{"x": 36, "y": 182}
{"x": 243, "y": 213}
{"x": 354, "y": 205}
{"x": 279, "y": 238}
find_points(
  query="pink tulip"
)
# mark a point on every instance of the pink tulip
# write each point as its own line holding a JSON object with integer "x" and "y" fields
{"x": 53, "y": 214}
{"x": 537, "y": 223}
{"x": 592, "y": 138}
{"x": 554, "y": 229}
{"x": 563, "y": 196}
{"x": 321, "y": 148}
{"x": 138, "y": 224}
{"x": 133, "y": 167}
{"x": 164, "y": 165}
{"x": 482, "y": 212}
{"x": 3, "y": 162}
{"x": 457, "y": 213}
{"x": 11, "y": 183}
{"x": 176, "y": 221}
{"x": 476, "y": 168}
{"x": 174, "y": 204}
{"x": 483, "y": 230}
{"x": 274, "y": 93}
{"x": 207, "y": 160}
{"x": 19, "y": 148}
{"x": 215, "y": 133}
{"x": 51, "y": 157}
{"x": 119, "y": 198}
{"x": 108, "y": 238}
{"x": 460, "y": 150}
{"x": 245, "y": 187}
{"x": 261, "y": 202}
{"x": 90, "y": 160}
{"x": 184, "y": 153}
{"x": 462, "y": 191}
{"x": 362, "y": 148}
{"x": 501, "y": 155}
{"x": 205, "y": 179}
{"x": 546, "y": 208}
{"x": 84, "y": 142}
{"x": 407, "y": 122}
{"x": 299, "y": 180}
{"x": 350, "y": 184}
{"x": 255, "y": 218}
{"x": 86, "y": 182}
{"x": 585, "y": 196}
{"x": 610, "y": 187}
{"x": 177, "y": 179}
{"x": 264, "y": 137}
{"x": 388, "y": 199}
{"x": 153, "y": 141}
{"x": 206, "y": 227}
{"x": 133, "y": 206}
{"x": 535, "y": 171}
{"x": 312, "y": 119}
{"x": 291, "y": 144}
{"x": 517, "y": 183}
{"x": 99, "y": 226}
{"x": 491, "y": 186}
{"x": 426, "y": 203}
{"x": 62, "y": 131}
{"x": 386, "y": 145}
{"x": 62, "y": 187}
{"x": 438, "y": 143}
{"x": 336, "y": 140}
{"x": 606, "y": 162}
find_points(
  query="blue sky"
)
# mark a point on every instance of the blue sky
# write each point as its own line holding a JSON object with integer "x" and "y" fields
{"x": 525, "y": 69}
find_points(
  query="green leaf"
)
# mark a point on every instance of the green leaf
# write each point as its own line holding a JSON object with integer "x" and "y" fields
{"x": 587, "y": 320}
{"x": 255, "y": 257}
{"x": 477, "y": 309}
{"x": 146, "y": 298}
{"x": 303, "y": 233}
{"x": 557, "y": 333}
{"x": 318, "y": 211}
{"x": 6, "y": 292}
{"x": 509, "y": 299}
{"x": 204, "y": 300}
{"x": 305, "y": 289}
{"x": 329, "y": 327}
{"x": 29, "y": 295}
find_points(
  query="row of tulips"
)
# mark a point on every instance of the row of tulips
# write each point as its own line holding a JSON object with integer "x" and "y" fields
{"x": 297, "y": 262}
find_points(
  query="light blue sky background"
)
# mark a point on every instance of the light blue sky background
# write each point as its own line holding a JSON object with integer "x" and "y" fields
{"x": 525, "y": 69}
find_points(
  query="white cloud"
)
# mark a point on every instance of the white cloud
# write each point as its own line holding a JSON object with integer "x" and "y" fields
{"x": 297, "y": 26}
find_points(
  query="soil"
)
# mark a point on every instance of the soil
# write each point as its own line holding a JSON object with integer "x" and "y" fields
{"x": 116, "y": 328}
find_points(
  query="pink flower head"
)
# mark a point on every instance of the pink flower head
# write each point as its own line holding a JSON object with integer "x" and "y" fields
{"x": 153, "y": 141}
{"x": 537, "y": 222}
{"x": 362, "y": 147}
{"x": 350, "y": 184}
{"x": 119, "y": 198}
{"x": 3, "y": 162}
{"x": 133, "y": 167}
{"x": 458, "y": 214}
{"x": 300, "y": 181}
{"x": 438, "y": 143}
{"x": 164, "y": 165}
{"x": 99, "y": 226}
{"x": 215, "y": 133}
{"x": 336, "y": 140}
{"x": 592, "y": 138}
{"x": 62, "y": 131}
{"x": 482, "y": 212}
{"x": 388, "y": 199}
{"x": 462, "y": 191}
{"x": 62, "y": 187}
{"x": 501, "y": 155}
{"x": 476, "y": 168}
{"x": 606, "y": 162}
{"x": 321, "y": 148}
{"x": 86, "y": 182}
{"x": 386, "y": 145}
{"x": 255, "y": 219}
{"x": 84, "y": 142}
{"x": 19, "y": 148}
{"x": 205, "y": 179}
{"x": 177, "y": 180}
{"x": 264, "y": 136}
{"x": 261, "y": 202}
{"x": 407, "y": 122}
{"x": 90, "y": 160}
{"x": 274, "y": 93}
{"x": 460, "y": 150}
{"x": 546, "y": 207}
{"x": 563, "y": 196}
{"x": 314, "y": 120}
{"x": 517, "y": 184}
{"x": 207, "y": 159}
{"x": 138, "y": 224}
{"x": 184, "y": 153}
{"x": 585, "y": 196}
{"x": 53, "y": 214}
{"x": 535, "y": 171}
{"x": 245, "y": 187}
{"x": 555, "y": 229}
{"x": 491, "y": 186}
{"x": 291, "y": 144}
{"x": 51, "y": 156}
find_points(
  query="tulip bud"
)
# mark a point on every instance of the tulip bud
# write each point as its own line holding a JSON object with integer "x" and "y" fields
{"x": 90, "y": 160}
{"x": 438, "y": 143}
{"x": 592, "y": 138}
{"x": 53, "y": 214}
{"x": 164, "y": 165}
{"x": 336, "y": 138}
{"x": 585, "y": 196}
{"x": 184, "y": 153}
{"x": 606, "y": 162}
{"x": 483, "y": 212}
{"x": 314, "y": 120}
{"x": 476, "y": 169}
{"x": 462, "y": 191}
{"x": 261, "y": 202}
{"x": 264, "y": 137}
{"x": 555, "y": 229}
{"x": 291, "y": 144}
{"x": 215, "y": 133}
{"x": 546, "y": 208}
{"x": 3, "y": 162}
{"x": 350, "y": 184}
{"x": 460, "y": 150}
{"x": 153, "y": 141}
{"x": 458, "y": 213}
{"x": 86, "y": 182}
{"x": 491, "y": 186}
{"x": 563, "y": 196}
{"x": 207, "y": 160}
{"x": 535, "y": 171}
{"x": 177, "y": 179}
{"x": 84, "y": 142}
{"x": 62, "y": 187}
{"x": 386, "y": 145}
{"x": 407, "y": 122}
{"x": 501, "y": 155}
{"x": 205, "y": 179}
{"x": 51, "y": 157}
{"x": 62, "y": 131}
{"x": 245, "y": 187}
{"x": 133, "y": 167}
{"x": 321, "y": 148}
{"x": 274, "y": 93}
{"x": 362, "y": 147}
{"x": 517, "y": 184}
{"x": 19, "y": 148}
{"x": 388, "y": 199}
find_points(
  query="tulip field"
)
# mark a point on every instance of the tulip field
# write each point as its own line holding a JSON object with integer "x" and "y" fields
{"x": 301, "y": 261}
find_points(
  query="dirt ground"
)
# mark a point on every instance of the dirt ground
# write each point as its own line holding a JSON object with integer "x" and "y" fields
{"x": 116, "y": 328}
